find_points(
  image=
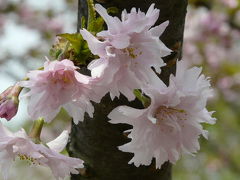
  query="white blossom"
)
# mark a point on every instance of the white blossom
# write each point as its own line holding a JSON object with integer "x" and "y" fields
{"x": 170, "y": 126}
{"x": 127, "y": 51}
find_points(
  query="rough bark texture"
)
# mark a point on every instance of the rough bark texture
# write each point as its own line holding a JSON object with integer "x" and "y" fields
{"x": 95, "y": 140}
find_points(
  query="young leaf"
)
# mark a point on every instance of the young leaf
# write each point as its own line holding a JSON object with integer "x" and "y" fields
{"x": 83, "y": 22}
{"x": 91, "y": 16}
{"x": 74, "y": 39}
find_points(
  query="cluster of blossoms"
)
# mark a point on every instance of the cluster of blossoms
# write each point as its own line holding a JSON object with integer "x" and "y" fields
{"x": 20, "y": 145}
{"x": 31, "y": 17}
{"x": 208, "y": 32}
{"x": 129, "y": 52}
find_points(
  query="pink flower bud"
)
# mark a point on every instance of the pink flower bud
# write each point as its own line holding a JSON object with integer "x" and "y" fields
{"x": 9, "y": 102}
{"x": 8, "y": 108}
{"x": 5, "y": 93}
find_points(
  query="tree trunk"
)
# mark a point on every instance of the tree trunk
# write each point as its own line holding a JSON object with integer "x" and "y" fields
{"x": 95, "y": 140}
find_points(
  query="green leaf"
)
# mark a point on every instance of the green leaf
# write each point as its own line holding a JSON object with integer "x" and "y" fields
{"x": 95, "y": 24}
{"x": 83, "y": 22}
{"x": 230, "y": 68}
{"x": 91, "y": 16}
{"x": 78, "y": 50}
{"x": 99, "y": 22}
{"x": 55, "y": 53}
{"x": 76, "y": 40}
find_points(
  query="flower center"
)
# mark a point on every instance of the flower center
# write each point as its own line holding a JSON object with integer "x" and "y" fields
{"x": 65, "y": 77}
{"x": 29, "y": 159}
{"x": 164, "y": 113}
{"x": 132, "y": 52}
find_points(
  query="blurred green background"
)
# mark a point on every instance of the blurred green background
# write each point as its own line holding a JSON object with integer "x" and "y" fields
{"x": 212, "y": 40}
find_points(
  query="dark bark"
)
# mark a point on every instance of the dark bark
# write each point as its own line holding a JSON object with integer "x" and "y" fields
{"x": 95, "y": 140}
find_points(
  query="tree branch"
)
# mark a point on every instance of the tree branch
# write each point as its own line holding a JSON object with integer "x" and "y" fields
{"x": 95, "y": 140}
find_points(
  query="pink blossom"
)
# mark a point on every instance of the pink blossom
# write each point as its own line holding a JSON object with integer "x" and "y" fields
{"x": 212, "y": 22}
{"x": 191, "y": 51}
{"x": 26, "y": 12}
{"x": 58, "y": 85}
{"x": 207, "y": 32}
{"x": 8, "y": 108}
{"x": 9, "y": 102}
{"x": 215, "y": 59}
{"x": 225, "y": 83}
{"x": 127, "y": 50}
{"x": 230, "y": 3}
{"x": 32, "y": 18}
{"x": 54, "y": 25}
{"x": 119, "y": 31}
{"x": 6, "y": 92}
{"x": 18, "y": 144}
{"x": 170, "y": 126}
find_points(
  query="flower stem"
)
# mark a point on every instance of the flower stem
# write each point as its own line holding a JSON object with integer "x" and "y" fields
{"x": 146, "y": 101}
{"x": 36, "y": 130}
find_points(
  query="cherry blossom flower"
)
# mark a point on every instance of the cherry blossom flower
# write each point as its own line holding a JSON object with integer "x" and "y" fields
{"x": 127, "y": 50}
{"x": 170, "y": 126}
{"x": 9, "y": 102}
{"x": 230, "y": 3}
{"x": 8, "y": 109}
{"x": 58, "y": 85}
{"x": 13, "y": 145}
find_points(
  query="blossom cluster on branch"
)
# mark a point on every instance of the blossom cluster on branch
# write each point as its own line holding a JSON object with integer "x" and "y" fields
{"x": 212, "y": 39}
{"x": 125, "y": 59}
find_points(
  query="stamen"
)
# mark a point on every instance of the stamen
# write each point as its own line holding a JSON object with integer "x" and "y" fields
{"x": 132, "y": 52}
{"x": 29, "y": 159}
{"x": 163, "y": 113}
{"x": 62, "y": 78}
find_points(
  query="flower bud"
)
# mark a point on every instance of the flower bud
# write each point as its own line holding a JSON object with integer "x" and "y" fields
{"x": 9, "y": 102}
{"x": 5, "y": 93}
